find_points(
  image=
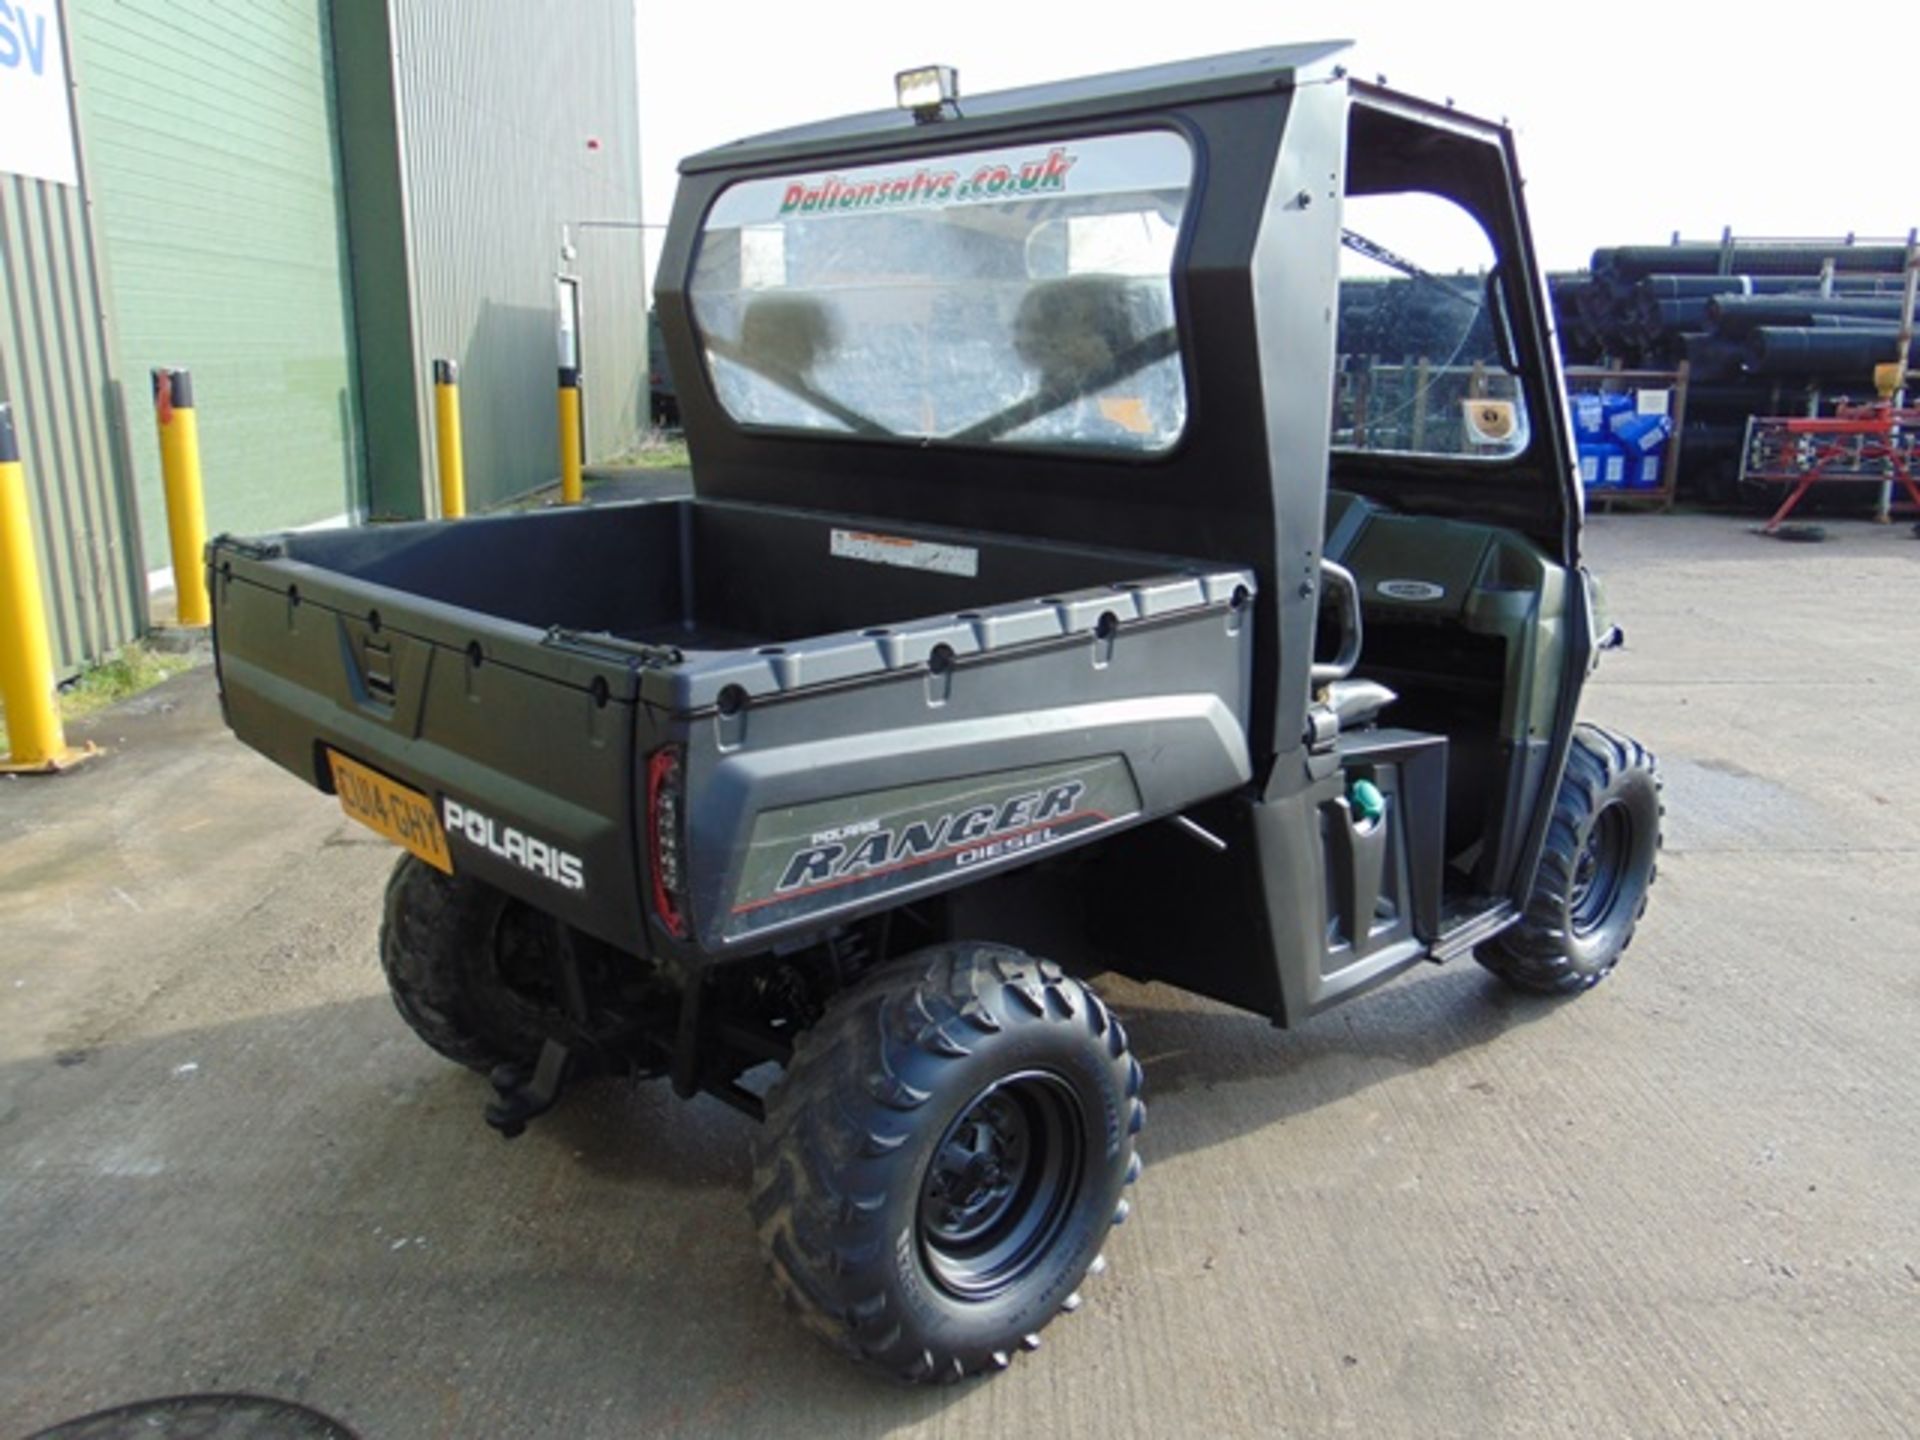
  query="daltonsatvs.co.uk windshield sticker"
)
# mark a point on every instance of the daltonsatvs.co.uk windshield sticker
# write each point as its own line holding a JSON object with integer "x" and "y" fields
{"x": 1040, "y": 176}
{"x": 1107, "y": 164}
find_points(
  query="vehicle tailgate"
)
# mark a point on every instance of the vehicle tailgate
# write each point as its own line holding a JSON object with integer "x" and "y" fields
{"x": 523, "y": 739}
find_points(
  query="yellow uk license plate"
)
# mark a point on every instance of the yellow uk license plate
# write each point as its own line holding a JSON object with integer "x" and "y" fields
{"x": 388, "y": 808}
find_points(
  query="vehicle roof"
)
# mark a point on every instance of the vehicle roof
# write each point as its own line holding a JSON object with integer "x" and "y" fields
{"x": 1274, "y": 67}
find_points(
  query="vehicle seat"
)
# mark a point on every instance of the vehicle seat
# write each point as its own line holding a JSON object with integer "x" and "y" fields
{"x": 1072, "y": 330}
{"x": 787, "y": 332}
{"x": 1355, "y": 702}
{"x": 1344, "y": 706}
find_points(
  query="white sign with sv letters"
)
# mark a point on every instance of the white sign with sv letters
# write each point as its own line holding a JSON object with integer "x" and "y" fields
{"x": 36, "y": 119}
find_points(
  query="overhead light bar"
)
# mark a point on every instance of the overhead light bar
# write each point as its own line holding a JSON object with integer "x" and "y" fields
{"x": 931, "y": 92}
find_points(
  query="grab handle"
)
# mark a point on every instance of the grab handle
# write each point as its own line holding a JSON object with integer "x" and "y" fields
{"x": 1326, "y": 671}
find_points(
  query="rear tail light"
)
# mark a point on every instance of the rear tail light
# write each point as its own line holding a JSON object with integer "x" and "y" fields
{"x": 667, "y": 832}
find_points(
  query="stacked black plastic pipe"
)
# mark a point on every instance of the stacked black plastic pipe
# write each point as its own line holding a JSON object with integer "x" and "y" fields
{"x": 1750, "y": 319}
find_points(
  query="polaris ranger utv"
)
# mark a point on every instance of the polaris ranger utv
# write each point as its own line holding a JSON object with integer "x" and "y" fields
{"x": 1114, "y": 547}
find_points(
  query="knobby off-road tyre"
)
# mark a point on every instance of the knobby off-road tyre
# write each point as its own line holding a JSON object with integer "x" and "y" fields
{"x": 467, "y": 966}
{"x": 944, "y": 1157}
{"x": 1600, "y": 859}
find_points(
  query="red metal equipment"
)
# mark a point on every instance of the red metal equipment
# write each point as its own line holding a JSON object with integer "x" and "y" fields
{"x": 1877, "y": 441}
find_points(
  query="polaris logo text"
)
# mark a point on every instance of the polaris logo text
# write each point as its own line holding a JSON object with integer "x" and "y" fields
{"x": 549, "y": 862}
{"x": 966, "y": 837}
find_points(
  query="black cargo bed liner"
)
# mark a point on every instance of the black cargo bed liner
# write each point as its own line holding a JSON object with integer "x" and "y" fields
{"x": 705, "y": 576}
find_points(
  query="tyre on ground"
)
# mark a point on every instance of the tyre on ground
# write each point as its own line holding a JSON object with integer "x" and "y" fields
{"x": 944, "y": 1157}
{"x": 1599, "y": 861}
{"x": 469, "y": 967}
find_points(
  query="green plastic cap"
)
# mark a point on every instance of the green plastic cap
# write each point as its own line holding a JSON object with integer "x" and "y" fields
{"x": 1366, "y": 799}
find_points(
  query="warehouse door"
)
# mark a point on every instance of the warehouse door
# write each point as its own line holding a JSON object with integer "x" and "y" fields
{"x": 208, "y": 131}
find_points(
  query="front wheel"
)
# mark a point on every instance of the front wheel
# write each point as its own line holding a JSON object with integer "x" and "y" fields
{"x": 1601, "y": 855}
{"x": 943, "y": 1159}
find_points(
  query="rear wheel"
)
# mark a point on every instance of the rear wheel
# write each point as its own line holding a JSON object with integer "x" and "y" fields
{"x": 1602, "y": 849}
{"x": 944, "y": 1158}
{"x": 470, "y": 968}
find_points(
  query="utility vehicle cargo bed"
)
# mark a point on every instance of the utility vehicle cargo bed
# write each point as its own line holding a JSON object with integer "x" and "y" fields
{"x": 519, "y": 668}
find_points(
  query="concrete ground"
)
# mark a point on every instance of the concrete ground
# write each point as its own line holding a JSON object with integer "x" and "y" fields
{"x": 1685, "y": 1204}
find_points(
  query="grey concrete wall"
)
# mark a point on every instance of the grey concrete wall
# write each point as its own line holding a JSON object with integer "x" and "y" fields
{"x": 516, "y": 123}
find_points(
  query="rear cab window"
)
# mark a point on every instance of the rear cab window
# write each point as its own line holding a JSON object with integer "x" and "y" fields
{"x": 1019, "y": 295}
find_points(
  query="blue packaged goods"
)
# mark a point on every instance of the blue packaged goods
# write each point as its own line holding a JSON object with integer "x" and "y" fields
{"x": 1641, "y": 434}
{"x": 1589, "y": 417}
{"x": 1603, "y": 465}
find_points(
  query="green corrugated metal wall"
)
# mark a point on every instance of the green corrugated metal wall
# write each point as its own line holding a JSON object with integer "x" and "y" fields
{"x": 56, "y": 371}
{"x": 375, "y": 197}
{"x": 215, "y": 180}
{"x": 223, "y": 156}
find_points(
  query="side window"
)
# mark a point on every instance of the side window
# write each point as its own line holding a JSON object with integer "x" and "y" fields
{"x": 1422, "y": 364}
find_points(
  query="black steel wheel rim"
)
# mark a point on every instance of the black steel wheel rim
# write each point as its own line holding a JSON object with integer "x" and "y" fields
{"x": 1600, "y": 869}
{"x": 1001, "y": 1185}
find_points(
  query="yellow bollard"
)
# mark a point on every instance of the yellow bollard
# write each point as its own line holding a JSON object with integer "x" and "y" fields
{"x": 38, "y": 741}
{"x": 446, "y": 420}
{"x": 186, "y": 503}
{"x": 571, "y": 489}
